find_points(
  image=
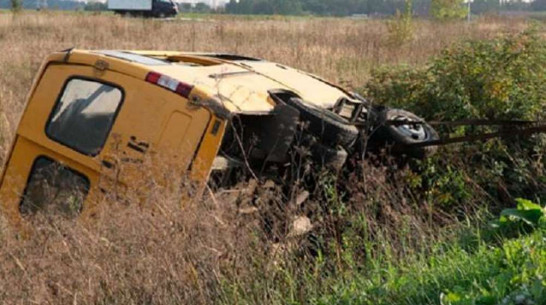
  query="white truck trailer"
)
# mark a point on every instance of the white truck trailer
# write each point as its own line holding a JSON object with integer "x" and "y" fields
{"x": 145, "y": 8}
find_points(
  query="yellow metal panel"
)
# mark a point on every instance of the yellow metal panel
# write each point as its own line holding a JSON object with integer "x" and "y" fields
{"x": 311, "y": 89}
{"x": 17, "y": 174}
{"x": 208, "y": 150}
{"x": 175, "y": 131}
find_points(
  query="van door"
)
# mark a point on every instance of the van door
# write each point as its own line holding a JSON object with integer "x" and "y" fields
{"x": 53, "y": 163}
{"x": 78, "y": 129}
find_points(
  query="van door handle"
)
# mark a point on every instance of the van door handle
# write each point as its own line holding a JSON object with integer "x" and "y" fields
{"x": 108, "y": 164}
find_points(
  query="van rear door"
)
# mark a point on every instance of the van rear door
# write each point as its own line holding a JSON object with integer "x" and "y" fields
{"x": 81, "y": 128}
{"x": 47, "y": 166}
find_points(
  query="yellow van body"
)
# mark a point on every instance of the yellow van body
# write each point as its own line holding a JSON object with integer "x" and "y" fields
{"x": 95, "y": 112}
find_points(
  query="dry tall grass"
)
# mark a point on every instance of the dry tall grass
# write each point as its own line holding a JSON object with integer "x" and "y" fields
{"x": 226, "y": 249}
{"x": 155, "y": 252}
{"x": 164, "y": 254}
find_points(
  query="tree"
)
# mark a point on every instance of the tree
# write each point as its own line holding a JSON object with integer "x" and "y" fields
{"x": 202, "y": 7}
{"x": 448, "y": 9}
{"x": 538, "y": 5}
{"x": 484, "y": 6}
{"x": 318, "y": 7}
{"x": 16, "y": 6}
{"x": 286, "y": 7}
{"x": 95, "y": 6}
{"x": 240, "y": 7}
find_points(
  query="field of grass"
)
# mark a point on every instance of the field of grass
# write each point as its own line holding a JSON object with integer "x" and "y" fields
{"x": 387, "y": 235}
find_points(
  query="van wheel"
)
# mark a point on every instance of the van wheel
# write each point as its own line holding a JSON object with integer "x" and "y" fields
{"x": 332, "y": 158}
{"x": 400, "y": 137}
{"x": 330, "y": 128}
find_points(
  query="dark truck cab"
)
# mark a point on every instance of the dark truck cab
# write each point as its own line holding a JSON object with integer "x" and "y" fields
{"x": 164, "y": 8}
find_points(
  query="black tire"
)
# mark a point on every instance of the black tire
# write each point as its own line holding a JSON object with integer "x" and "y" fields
{"x": 332, "y": 158}
{"x": 330, "y": 128}
{"x": 400, "y": 137}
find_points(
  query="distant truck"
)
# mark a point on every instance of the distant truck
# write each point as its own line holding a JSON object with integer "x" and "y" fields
{"x": 145, "y": 8}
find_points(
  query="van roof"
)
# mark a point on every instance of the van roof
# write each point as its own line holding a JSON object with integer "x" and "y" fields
{"x": 241, "y": 83}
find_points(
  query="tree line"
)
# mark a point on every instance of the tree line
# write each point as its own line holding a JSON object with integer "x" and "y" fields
{"x": 369, "y": 7}
{"x": 316, "y": 7}
{"x": 52, "y": 4}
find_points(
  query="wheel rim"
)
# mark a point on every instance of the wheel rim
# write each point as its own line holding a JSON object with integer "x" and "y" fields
{"x": 414, "y": 131}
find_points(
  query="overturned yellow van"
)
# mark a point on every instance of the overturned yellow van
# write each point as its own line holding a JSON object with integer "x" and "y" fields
{"x": 93, "y": 117}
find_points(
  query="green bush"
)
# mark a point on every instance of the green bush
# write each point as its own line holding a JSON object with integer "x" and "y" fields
{"x": 499, "y": 79}
{"x": 448, "y": 9}
{"x": 504, "y": 78}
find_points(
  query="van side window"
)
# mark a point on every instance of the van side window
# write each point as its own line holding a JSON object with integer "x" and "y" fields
{"x": 54, "y": 188}
{"x": 84, "y": 115}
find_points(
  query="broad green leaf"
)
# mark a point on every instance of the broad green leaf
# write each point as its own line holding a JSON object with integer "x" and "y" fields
{"x": 530, "y": 217}
{"x": 524, "y": 204}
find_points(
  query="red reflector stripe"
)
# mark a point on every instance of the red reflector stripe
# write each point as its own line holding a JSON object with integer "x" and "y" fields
{"x": 172, "y": 84}
{"x": 184, "y": 89}
{"x": 153, "y": 77}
